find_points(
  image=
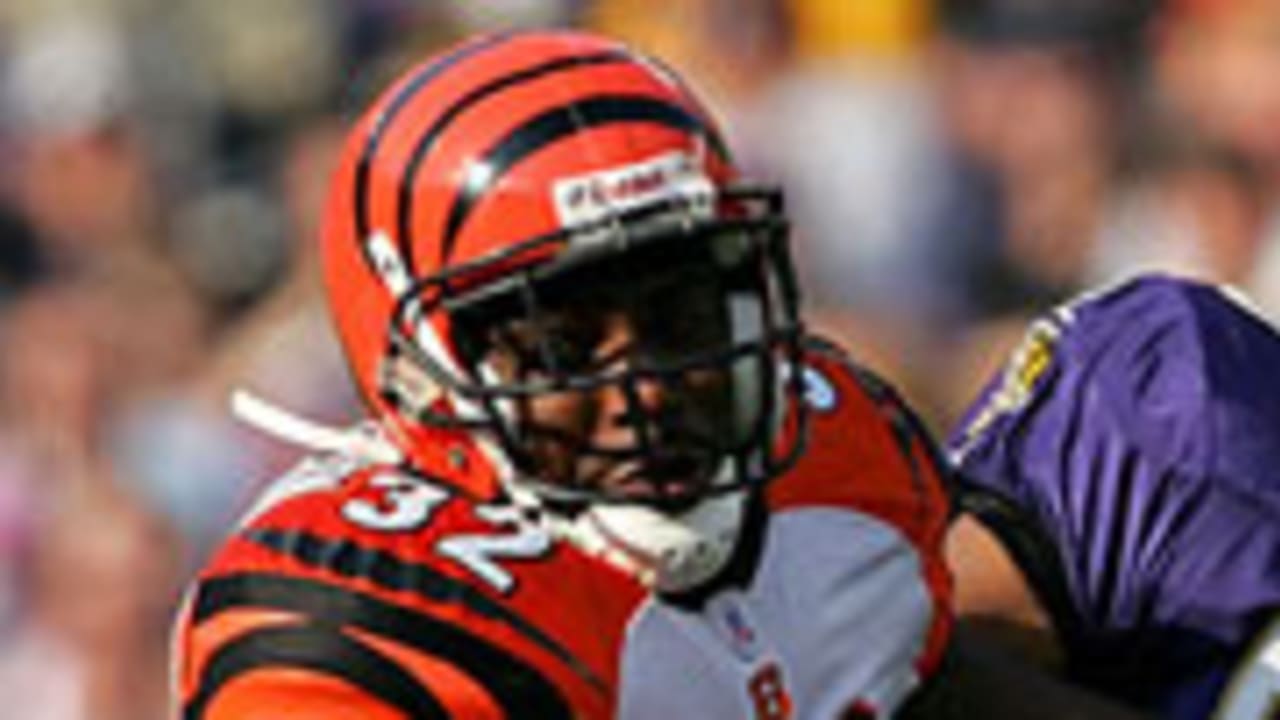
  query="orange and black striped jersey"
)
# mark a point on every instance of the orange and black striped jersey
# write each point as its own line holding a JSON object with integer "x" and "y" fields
{"x": 370, "y": 592}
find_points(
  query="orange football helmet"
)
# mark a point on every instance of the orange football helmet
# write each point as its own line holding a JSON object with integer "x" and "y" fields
{"x": 523, "y": 173}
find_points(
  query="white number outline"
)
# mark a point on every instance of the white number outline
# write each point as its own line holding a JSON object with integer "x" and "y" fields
{"x": 480, "y": 553}
{"x": 407, "y": 503}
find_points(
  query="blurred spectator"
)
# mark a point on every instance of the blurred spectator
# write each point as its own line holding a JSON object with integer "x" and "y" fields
{"x": 183, "y": 448}
{"x": 1189, "y": 209}
{"x": 68, "y": 74}
{"x": 82, "y": 174}
{"x": 266, "y": 59}
{"x": 1037, "y": 99}
{"x": 21, "y": 263}
{"x": 56, "y": 385}
{"x": 852, "y": 133}
{"x": 18, "y": 505}
{"x": 1216, "y": 65}
{"x": 230, "y": 244}
{"x": 89, "y": 650}
{"x": 472, "y": 17}
{"x": 262, "y": 351}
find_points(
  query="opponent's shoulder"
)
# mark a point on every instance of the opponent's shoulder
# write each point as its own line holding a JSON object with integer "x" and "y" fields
{"x": 866, "y": 449}
{"x": 1171, "y": 367}
{"x": 1153, "y": 332}
{"x": 1155, "y": 339}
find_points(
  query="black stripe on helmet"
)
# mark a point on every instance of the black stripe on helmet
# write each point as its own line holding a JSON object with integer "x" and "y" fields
{"x": 317, "y": 648}
{"x": 472, "y": 98}
{"x": 389, "y": 112}
{"x": 520, "y": 689}
{"x": 555, "y": 124}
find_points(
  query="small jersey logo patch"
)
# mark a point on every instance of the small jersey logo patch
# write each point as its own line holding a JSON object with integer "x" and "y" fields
{"x": 1027, "y": 366}
{"x": 733, "y": 620}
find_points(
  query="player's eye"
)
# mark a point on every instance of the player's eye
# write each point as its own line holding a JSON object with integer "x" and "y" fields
{"x": 555, "y": 344}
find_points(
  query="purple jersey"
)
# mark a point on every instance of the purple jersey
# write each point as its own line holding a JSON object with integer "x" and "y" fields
{"x": 1130, "y": 454}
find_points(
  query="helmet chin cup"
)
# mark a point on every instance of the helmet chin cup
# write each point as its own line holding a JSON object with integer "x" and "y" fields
{"x": 669, "y": 553}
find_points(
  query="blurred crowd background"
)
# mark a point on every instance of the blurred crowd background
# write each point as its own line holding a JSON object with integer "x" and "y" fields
{"x": 951, "y": 166}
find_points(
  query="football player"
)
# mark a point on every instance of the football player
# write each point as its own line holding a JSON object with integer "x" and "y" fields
{"x": 1121, "y": 504}
{"x": 607, "y": 473}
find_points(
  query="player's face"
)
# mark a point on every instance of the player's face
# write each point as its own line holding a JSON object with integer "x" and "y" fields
{"x": 643, "y": 434}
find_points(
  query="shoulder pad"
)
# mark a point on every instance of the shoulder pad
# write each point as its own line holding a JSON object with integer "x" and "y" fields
{"x": 867, "y": 450}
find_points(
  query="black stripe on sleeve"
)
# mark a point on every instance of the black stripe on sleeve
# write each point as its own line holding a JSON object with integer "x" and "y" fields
{"x": 517, "y": 687}
{"x": 320, "y": 649}
{"x": 429, "y": 138}
{"x": 555, "y": 124}
{"x": 386, "y": 570}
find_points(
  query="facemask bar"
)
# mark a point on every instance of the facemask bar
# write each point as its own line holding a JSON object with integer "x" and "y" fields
{"x": 775, "y": 340}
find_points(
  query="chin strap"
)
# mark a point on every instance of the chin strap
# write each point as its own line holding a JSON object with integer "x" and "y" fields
{"x": 364, "y": 441}
{"x": 668, "y": 553}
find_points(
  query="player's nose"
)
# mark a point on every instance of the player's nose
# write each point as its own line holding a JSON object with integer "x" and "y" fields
{"x": 640, "y": 392}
